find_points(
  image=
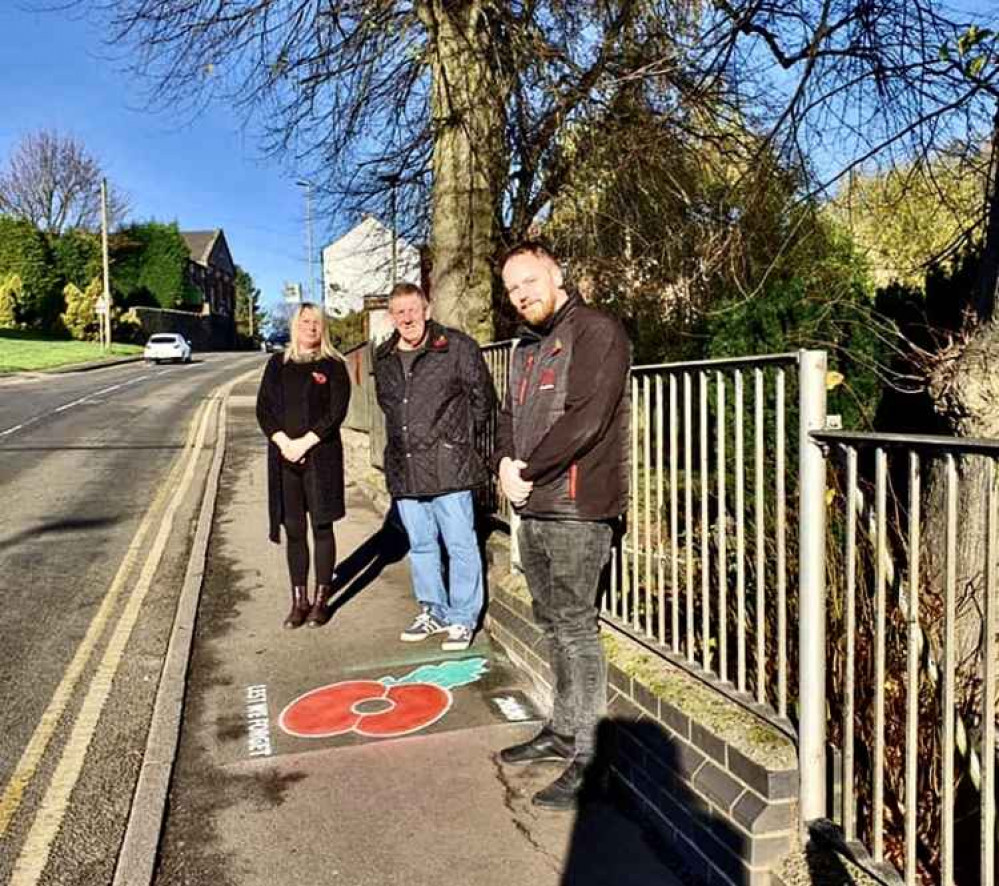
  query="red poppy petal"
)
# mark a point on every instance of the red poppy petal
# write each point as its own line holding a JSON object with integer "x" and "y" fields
{"x": 329, "y": 709}
{"x": 416, "y": 706}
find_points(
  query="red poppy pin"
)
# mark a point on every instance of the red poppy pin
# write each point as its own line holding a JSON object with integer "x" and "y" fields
{"x": 319, "y": 378}
{"x": 439, "y": 342}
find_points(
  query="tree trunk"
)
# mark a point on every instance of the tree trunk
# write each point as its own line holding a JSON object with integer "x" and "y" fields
{"x": 964, "y": 387}
{"x": 469, "y": 161}
{"x": 966, "y": 392}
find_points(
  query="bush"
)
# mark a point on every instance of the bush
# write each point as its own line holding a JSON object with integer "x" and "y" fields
{"x": 127, "y": 326}
{"x": 150, "y": 267}
{"x": 347, "y": 331}
{"x": 80, "y": 317}
{"x": 26, "y": 252}
{"x": 77, "y": 256}
{"x": 10, "y": 302}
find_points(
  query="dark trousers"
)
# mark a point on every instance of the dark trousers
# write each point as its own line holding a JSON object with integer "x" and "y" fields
{"x": 562, "y": 560}
{"x": 296, "y": 508}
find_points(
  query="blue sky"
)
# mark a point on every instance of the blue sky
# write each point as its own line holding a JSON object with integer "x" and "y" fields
{"x": 204, "y": 173}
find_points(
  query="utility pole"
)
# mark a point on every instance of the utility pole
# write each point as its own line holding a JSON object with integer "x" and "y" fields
{"x": 395, "y": 237}
{"x": 303, "y": 183}
{"x": 105, "y": 317}
{"x": 392, "y": 180}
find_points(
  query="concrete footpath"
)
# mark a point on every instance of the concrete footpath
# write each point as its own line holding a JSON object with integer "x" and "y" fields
{"x": 342, "y": 755}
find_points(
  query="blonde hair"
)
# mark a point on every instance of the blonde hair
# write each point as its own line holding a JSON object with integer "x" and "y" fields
{"x": 295, "y": 354}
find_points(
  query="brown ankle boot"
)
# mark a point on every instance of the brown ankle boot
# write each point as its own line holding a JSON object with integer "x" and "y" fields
{"x": 319, "y": 614}
{"x": 299, "y": 607}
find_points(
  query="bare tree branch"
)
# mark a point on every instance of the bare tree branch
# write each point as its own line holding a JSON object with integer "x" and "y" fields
{"x": 52, "y": 181}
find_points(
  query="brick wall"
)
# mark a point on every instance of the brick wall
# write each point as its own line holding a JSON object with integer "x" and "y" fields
{"x": 715, "y": 781}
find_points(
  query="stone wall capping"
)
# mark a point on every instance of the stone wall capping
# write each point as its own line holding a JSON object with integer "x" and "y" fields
{"x": 716, "y": 782}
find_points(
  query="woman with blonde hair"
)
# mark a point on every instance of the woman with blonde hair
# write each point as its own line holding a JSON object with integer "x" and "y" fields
{"x": 301, "y": 404}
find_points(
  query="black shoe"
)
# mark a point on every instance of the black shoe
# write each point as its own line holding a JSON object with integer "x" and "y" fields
{"x": 546, "y": 745}
{"x": 564, "y": 791}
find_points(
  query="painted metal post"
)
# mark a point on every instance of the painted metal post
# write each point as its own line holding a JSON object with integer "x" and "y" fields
{"x": 515, "y": 565}
{"x": 812, "y": 588}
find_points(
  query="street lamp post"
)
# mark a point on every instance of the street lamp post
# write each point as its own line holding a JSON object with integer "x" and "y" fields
{"x": 307, "y": 185}
{"x": 392, "y": 180}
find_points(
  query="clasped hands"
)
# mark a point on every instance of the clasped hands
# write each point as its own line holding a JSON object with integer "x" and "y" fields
{"x": 295, "y": 450}
{"x": 515, "y": 487}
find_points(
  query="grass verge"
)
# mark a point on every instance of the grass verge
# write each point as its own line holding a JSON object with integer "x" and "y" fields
{"x": 31, "y": 351}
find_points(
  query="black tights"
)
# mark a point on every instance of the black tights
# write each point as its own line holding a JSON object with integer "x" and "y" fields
{"x": 296, "y": 506}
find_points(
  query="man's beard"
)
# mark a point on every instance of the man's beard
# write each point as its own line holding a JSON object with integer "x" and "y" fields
{"x": 537, "y": 312}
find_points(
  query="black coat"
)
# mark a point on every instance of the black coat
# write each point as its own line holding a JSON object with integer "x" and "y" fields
{"x": 566, "y": 413}
{"x": 434, "y": 418}
{"x": 326, "y": 404}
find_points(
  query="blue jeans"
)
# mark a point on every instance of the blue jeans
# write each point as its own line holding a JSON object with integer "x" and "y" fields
{"x": 562, "y": 561}
{"x": 452, "y": 517}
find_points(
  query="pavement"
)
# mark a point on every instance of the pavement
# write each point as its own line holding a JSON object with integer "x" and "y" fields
{"x": 340, "y": 754}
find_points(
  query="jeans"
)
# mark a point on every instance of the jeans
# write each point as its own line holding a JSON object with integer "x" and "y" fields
{"x": 453, "y": 518}
{"x": 562, "y": 560}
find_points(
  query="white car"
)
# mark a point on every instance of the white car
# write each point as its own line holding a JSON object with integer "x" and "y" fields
{"x": 167, "y": 346}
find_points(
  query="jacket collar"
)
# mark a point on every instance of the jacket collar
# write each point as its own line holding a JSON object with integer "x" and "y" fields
{"x": 529, "y": 333}
{"x": 436, "y": 339}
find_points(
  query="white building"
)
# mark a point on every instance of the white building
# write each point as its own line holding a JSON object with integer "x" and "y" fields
{"x": 359, "y": 264}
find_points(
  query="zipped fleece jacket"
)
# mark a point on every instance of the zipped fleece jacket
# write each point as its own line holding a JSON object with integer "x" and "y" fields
{"x": 566, "y": 415}
{"x": 434, "y": 414}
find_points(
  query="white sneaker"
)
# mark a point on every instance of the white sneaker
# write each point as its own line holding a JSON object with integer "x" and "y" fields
{"x": 423, "y": 626}
{"x": 458, "y": 638}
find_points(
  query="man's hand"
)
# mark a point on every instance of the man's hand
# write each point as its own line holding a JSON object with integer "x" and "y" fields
{"x": 515, "y": 488}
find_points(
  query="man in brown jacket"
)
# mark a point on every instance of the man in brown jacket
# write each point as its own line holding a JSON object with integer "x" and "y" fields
{"x": 561, "y": 457}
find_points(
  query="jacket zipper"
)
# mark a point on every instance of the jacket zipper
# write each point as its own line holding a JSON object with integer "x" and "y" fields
{"x": 406, "y": 380}
{"x": 522, "y": 393}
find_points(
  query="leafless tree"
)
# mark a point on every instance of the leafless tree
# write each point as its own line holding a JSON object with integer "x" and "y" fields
{"x": 839, "y": 85}
{"x": 458, "y": 110}
{"x": 54, "y": 182}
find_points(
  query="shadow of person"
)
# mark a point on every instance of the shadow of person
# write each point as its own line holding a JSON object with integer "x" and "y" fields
{"x": 611, "y": 843}
{"x": 822, "y": 857}
{"x": 388, "y": 545}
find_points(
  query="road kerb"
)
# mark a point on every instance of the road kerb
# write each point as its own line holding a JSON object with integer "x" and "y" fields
{"x": 139, "y": 849}
{"x": 34, "y": 753}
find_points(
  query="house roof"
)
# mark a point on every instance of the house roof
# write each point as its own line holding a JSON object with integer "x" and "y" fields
{"x": 200, "y": 243}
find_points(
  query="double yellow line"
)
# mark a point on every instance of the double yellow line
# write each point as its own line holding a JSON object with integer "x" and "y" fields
{"x": 35, "y": 851}
{"x": 47, "y": 725}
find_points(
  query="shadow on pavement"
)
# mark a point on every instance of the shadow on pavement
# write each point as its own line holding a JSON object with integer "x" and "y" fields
{"x": 611, "y": 843}
{"x": 388, "y": 545}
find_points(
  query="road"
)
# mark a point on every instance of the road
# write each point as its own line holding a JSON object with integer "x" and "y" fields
{"x": 101, "y": 475}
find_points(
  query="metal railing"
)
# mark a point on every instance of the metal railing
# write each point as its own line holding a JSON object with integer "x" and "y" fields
{"x": 497, "y": 356}
{"x": 732, "y": 529}
{"x": 918, "y": 735}
{"x": 715, "y": 577}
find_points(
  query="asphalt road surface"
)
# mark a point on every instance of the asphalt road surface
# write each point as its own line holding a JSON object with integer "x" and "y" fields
{"x": 101, "y": 475}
